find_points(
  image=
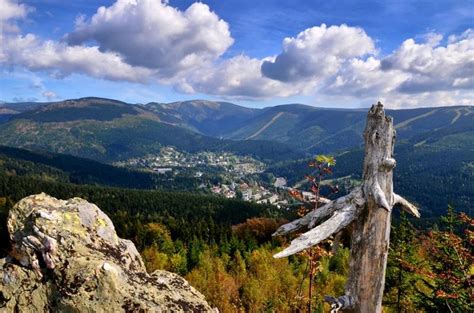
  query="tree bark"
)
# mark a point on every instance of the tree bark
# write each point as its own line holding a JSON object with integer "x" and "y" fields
{"x": 367, "y": 208}
{"x": 371, "y": 231}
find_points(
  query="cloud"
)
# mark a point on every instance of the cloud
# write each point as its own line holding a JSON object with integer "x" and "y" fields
{"x": 9, "y": 13}
{"x": 49, "y": 95}
{"x": 22, "y": 99}
{"x": 433, "y": 67}
{"x": 428, "y": 99}
{"x": 57, "y": 58}
{"x": 137, "y": 41}
{"x": 238, "y": 77}
{"x": 317, "y": 53}
{"x": 152, "y": 34}
{"x": 306, "y": 62}
{"x": 415, "y": 74}
{"x": 12, "y": 10}
{"x": 363, "y": 78}
{"x": 61, "y": 60}
{"x": 148, "y": 41}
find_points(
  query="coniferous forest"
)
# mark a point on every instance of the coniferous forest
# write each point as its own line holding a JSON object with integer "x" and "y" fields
{"x": 250, "y": 156}
{"x": 224, "y": 248}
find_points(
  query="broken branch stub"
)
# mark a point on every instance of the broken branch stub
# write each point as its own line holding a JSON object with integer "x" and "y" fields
{"x": 368, "y": 209}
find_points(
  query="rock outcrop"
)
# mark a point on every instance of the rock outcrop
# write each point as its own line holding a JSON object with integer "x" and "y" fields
{"x": 66, "y": 257}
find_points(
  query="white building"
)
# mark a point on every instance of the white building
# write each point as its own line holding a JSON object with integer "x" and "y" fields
{"x": 280, "y": 182}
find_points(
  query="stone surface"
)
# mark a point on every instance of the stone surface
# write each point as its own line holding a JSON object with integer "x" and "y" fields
{"x": 66, "y": 257}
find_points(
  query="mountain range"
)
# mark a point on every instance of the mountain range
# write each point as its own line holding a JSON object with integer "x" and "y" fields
{"x": 434, "y": 150}
{"x": 107, "y": 130}
{"x": 314, "y": 130}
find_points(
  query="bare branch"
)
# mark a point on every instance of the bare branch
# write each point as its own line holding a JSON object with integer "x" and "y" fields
{"x": 341, "y": 303}
{"x": 310, "y": 219}
{"x": 406, "y": 205}
{"x": 379, "y": 196}
{"x": 323, "y": 200}
{"x": 354, "y": 197}
{"x": 339, "y": 220}
{"x": 293, "y": 226}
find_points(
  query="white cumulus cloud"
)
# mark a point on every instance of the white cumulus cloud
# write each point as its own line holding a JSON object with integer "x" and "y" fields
{"x": 426, "y": 74}
{"x": 49, "y": 95}
{"x": 61, "y": 60}
{"x": 318, "y": 52}
{"x": 363, "y": 78}
{"x": 11, "y": 10}
{"x": 238, "y": 77}
{"x": 152, "y": 34}
{"x": 433, "y": 67}
{"x": 150, "y": 41}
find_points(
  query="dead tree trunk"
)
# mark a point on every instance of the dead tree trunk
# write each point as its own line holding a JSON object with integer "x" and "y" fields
{"x": 368, "y": 209}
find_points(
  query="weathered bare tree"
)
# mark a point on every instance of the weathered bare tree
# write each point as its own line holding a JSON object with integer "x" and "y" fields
{"x": 367, "y": 211}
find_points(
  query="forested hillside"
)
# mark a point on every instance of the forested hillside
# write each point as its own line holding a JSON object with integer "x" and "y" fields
{"x": 109, "y": 130}
{"x": 317, "y": 130}
{"x": 186, "y": 215}
{"x": 434, "y": 174}
{"x": 65, "y": 168}
{"x": 105, "y": 129}
{"x": 223, "y": 247}
{"x": 56, "y": 167}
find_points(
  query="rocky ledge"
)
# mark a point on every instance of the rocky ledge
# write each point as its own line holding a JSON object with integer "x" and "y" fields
{"x": 66, "y": 257}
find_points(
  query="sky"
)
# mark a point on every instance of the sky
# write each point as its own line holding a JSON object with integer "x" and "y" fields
{"x": 254, "y": 53}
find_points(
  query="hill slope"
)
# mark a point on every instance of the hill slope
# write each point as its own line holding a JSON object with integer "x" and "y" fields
{"x": 109, "y": 130}
{"x": 215, "y": 119}
{"x": 433, "y": 175}
{"x": 434, "y": 150}
{"x": 65, "y": 168}
{"x": 316, "y": 130}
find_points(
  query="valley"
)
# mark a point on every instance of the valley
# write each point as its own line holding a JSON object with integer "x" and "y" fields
{"x": 198, "y": 197}
{"x": 207, "y": 147}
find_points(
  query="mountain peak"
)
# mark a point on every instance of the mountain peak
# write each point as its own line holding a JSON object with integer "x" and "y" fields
{"x": 198, "y": 104}
{"x": 79, "y": 109}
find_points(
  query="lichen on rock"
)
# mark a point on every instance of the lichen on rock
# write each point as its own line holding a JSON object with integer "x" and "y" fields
{"x": 66, "y": 256}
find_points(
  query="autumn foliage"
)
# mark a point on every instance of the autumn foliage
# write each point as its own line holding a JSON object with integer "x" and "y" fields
{"x": 432, "y": 271}
{"x": 260, "y": 228}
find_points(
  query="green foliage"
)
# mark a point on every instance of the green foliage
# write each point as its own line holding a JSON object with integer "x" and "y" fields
{"x": 66, "y": 168}
{"x": 94, "y": 111}
{"x": 451, "y": 220}
{"x": 186, "y": 215}
{"x": 431, "y": 271}
{"x": 432, "y": 176}
{"x": 327, "y": 160}
{"x": 400, "y": 280}
{"x": 107, "y": 131}
{"x": 253, "y": 281}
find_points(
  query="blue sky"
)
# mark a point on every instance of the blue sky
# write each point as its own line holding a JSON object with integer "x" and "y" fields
{"x": 361, "y": 54}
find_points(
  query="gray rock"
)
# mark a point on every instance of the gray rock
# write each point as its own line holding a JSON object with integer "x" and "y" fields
{"x": 67, "y": 257}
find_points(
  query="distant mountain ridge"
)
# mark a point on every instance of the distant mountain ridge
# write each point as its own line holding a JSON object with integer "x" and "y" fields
{"x": 214, "y": 119}
{"x": 301, "y": 127}
{"x": 315, "y": 130}
{"x": 109, "y": 130}
{"x": 435, "y": 146}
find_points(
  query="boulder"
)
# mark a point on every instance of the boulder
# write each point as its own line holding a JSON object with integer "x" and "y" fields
{"x": 67, "y": 257}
